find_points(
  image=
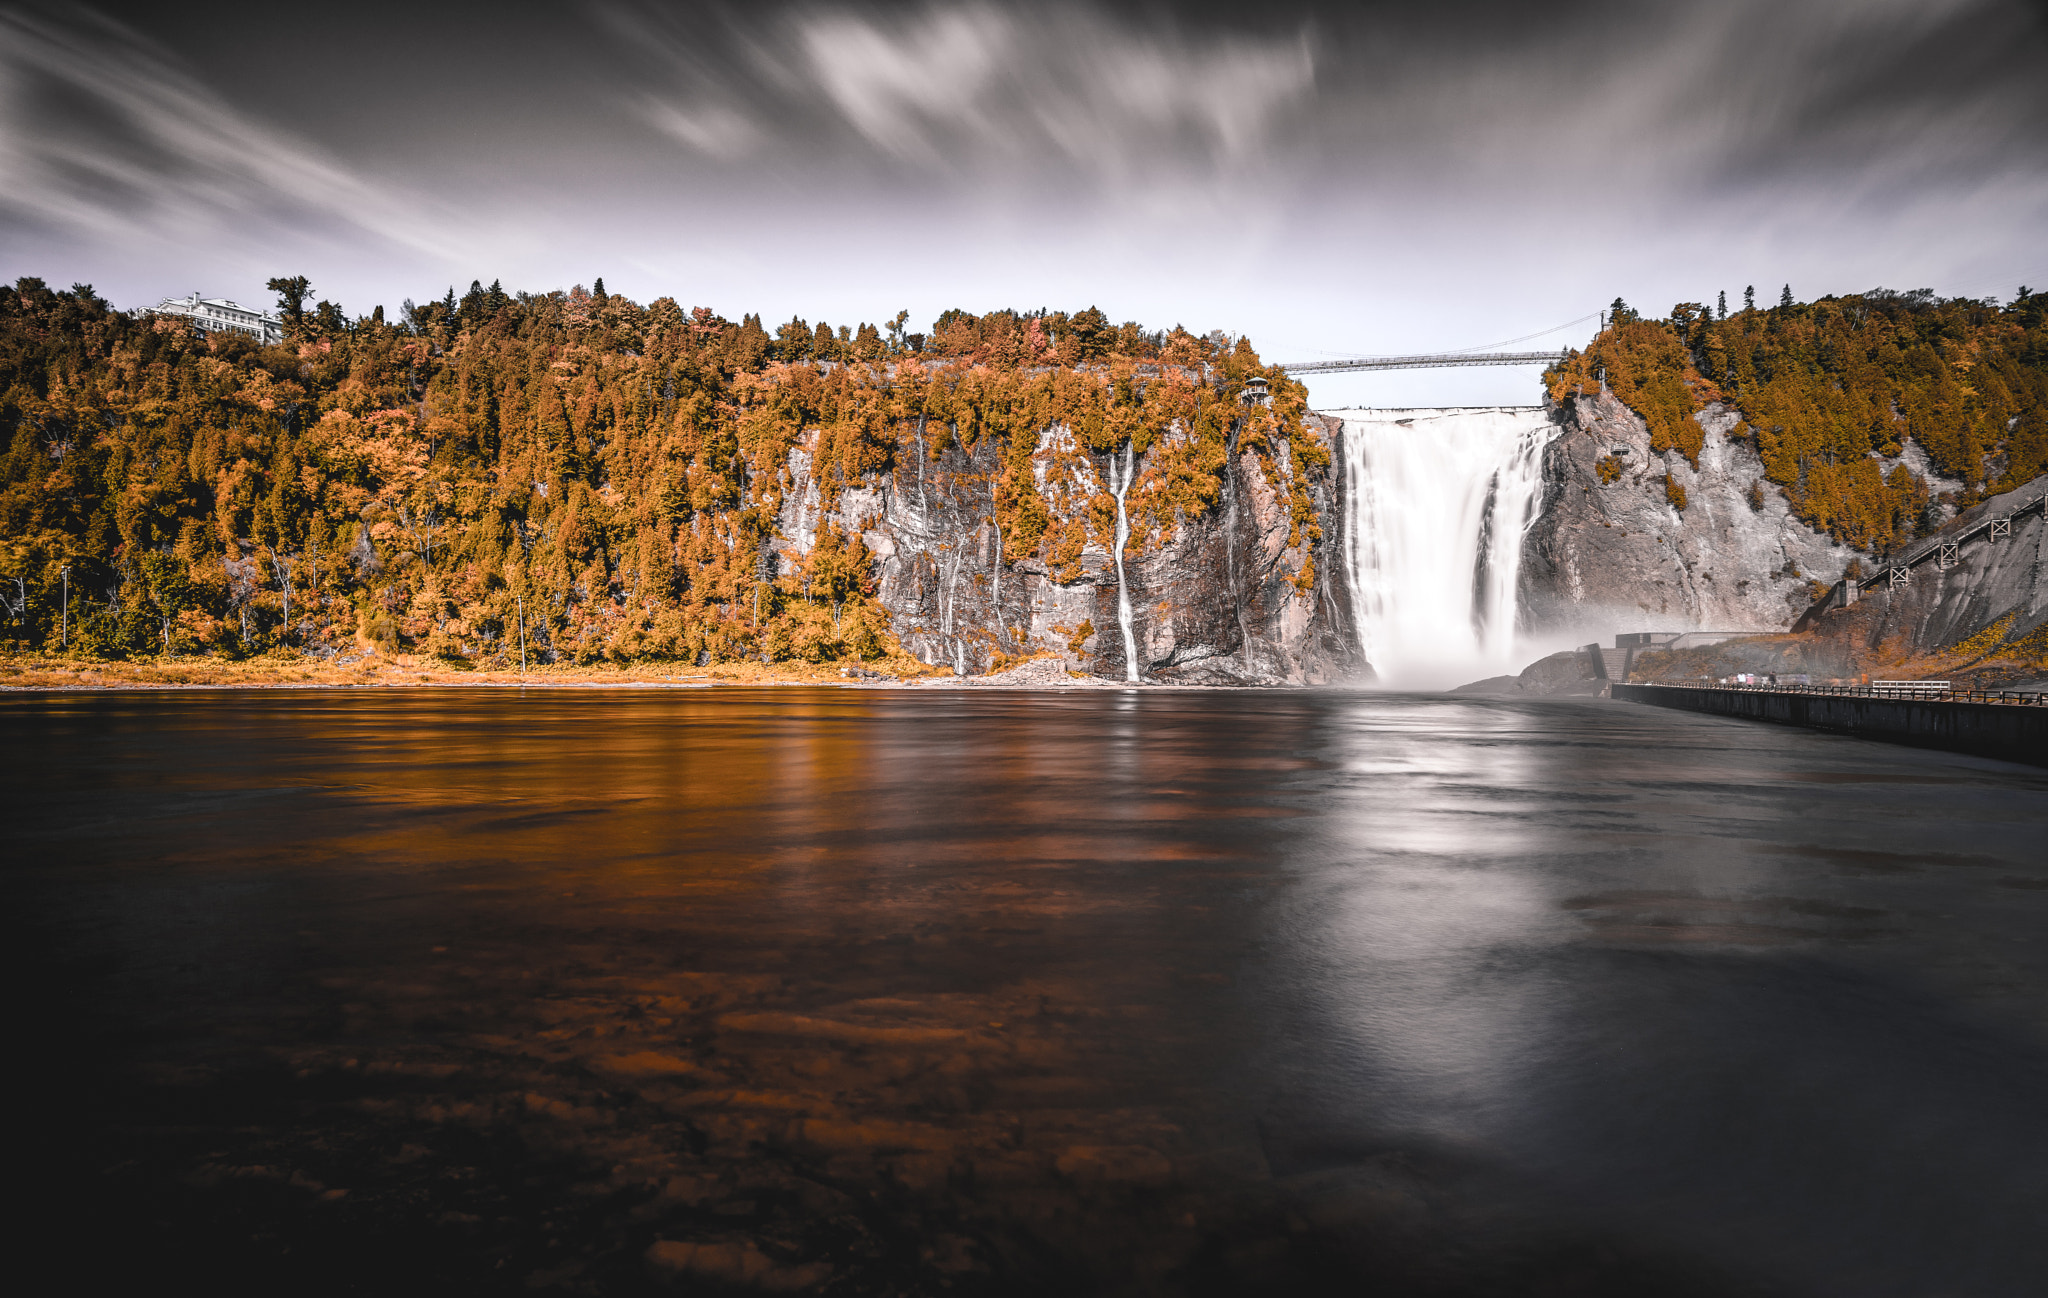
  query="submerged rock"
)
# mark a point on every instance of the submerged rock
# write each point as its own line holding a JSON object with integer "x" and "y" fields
{"x": 738, "y": 1263}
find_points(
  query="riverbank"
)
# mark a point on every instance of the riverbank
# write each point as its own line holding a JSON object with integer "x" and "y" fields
{"x": 47, "y": 673}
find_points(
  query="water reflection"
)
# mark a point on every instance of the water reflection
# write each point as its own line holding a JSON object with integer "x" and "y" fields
{"x": 1006, "y": 993}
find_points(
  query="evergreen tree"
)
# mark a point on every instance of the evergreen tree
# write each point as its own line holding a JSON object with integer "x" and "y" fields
{"x": 1721, "y": 308}
{"x": 291, "y": 293}
{"x": 793, "y": 340}
{"x": 328, "y": 318}
{"x": 1749, "y": 298}
{"x": 1092, "y": 332}
{"x": 1785, "y": 299}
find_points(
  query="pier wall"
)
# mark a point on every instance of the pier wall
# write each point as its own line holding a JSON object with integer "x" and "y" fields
{"x": 2009, "y": 732}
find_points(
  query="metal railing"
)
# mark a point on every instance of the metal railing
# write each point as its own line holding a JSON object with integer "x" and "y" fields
{"x": 2026, "y": 698}
{"x": 1943, "y": 551}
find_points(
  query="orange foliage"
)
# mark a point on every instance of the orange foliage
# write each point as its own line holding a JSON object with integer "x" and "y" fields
{"x": 605, "y": 475}
{"x": 1826, "y": 387}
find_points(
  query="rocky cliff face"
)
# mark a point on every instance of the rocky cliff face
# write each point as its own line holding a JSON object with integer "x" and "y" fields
{"x": 1716, "y": 549}
{"x": 1993, "y": 575}
{"x": 1623, "y": 540}
{"x": 1982, "y": 614}
{"x": 1217, "y": 598}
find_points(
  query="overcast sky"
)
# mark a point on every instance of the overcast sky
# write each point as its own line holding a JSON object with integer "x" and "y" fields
{"x": 1329, "y": 178}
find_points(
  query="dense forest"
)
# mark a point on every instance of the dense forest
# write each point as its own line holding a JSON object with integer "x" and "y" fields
{"x": 601, "y": 477}
{"x": 1824, "y": 388}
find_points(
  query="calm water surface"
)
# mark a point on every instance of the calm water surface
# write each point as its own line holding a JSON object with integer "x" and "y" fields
{"x": 871, "y": 992}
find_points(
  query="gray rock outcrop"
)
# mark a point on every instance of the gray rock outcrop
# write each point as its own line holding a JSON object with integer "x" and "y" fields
{"x": 1568, "y": 671}
{"x": 1222, "y": 597}
{"x": 1605, "y": 556}
{"x": 1991, "y": 594}
{"x": 1215, "y": 600}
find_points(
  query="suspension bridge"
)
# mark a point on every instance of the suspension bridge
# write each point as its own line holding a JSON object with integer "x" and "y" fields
{"x": 1430, "y": 361}
{"x": 1445, "y": 360}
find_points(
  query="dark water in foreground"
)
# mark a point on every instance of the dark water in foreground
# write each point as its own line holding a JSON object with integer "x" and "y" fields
{"x": 597, "y": 992}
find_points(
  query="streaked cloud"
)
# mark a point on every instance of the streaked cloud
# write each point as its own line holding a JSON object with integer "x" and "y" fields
{"x": 976, "y": 88}
{"x": 106, "y": 135}
{"x": 1692, "y": 97}
{"x": 1365, "y": 175}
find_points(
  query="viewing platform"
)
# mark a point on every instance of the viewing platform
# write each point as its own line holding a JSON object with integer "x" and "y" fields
{"x": 1615, "y": 664}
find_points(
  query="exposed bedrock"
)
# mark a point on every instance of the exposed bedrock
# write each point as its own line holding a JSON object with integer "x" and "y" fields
{"x": 1214, "y": 598}
{"x": 1607, "y": 556}
{"x": 1995, "y": 573}
{"x": 1992, "y": 594}
{"x": 1622, "y": 555}
{"x": 1222, "y": 596}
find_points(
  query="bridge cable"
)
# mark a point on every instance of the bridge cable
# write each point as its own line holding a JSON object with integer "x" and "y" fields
{"x": 1590, "y": 315}
{"x": 1463, "y": 351}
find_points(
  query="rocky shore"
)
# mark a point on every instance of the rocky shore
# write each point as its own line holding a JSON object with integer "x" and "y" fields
{"x": 282, "y": 672}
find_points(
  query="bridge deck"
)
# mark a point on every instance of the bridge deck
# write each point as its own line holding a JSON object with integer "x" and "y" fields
{"x": 1435, "y": 360}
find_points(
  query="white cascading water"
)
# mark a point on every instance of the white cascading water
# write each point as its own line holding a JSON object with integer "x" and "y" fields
{"x": 1120, "y": 486}
{"x": 1437, "y": 503}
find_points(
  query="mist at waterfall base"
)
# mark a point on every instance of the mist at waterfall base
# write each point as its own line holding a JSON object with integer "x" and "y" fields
{"x": 1436, "y": 503}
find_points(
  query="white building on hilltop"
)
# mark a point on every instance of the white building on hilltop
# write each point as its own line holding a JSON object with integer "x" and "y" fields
{"x": 217, "y": 313}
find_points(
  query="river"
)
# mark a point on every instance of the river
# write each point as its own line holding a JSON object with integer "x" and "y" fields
{"x": 595, "y": 991}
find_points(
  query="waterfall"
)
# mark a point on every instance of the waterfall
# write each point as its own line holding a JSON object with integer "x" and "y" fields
{"x": 1437, "y": 502}
{"x": 1120, "y": 486}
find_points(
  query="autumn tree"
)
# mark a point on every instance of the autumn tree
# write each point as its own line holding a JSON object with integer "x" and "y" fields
{"x": 165, "y": 582}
